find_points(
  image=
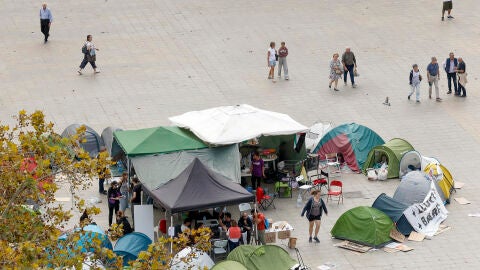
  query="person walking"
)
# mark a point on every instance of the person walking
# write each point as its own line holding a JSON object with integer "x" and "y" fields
{"x": 46, "y": 19}
{"x": 450, "y": 67}
{"x": 271, "y": 61}
{"x": 89, "y": 55}
{"x": 313, "y": 208}
{"x": 349, "y": 65}
{"x": 433, "y": 75}
{"x": 336, "y": 71}
{"x": 415, "y": 79}
{"x": 282, "y": 60}
{"x": 447, "y": 6}
{"x": 124, "y": 190}
{"x": 113, "y": 196}
{"x": 462, "y": 77}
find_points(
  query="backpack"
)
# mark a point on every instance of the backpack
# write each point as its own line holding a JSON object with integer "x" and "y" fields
{"x": 84, "y": 49}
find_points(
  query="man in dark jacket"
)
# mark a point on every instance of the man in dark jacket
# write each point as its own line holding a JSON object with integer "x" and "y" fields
{"x": 451, "y": 69}
{"x": 245, "y": 223}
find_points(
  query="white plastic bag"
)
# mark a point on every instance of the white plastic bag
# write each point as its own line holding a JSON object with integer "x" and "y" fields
{"x": 383, "y": 172}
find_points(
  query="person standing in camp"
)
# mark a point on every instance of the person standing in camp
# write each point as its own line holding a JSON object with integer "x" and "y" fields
{"x": 259, "y": 221}
{"x": 462, "y": 78}
{"x": 113, "y": 196}
{"x": 124, "y": 191}
{"x": 245, "y": 223}
{"x": 136, "y": 196}
{"x": 102, "y": 172}
{"x": 257, "y": 169}
{"x": 313, "y": 208}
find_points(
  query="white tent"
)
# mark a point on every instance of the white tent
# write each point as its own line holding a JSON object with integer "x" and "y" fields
{"x": 413, "y": 158}
{"x": 201, "y": 260}
{"x": 235, "y": 124}
{"x": 316, "y": 133}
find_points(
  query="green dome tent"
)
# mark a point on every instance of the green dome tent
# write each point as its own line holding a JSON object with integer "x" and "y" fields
{"x": 364, "y": 225}
{"x": 268, "y": 257}
{"x": 394, "y": 150}
{"x": 229, "y": 265}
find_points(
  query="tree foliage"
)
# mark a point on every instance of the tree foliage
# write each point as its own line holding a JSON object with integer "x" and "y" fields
{"x": 34, "y": 163}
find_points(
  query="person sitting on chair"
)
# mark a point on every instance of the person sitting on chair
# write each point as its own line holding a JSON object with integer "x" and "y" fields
{"x": 234, "y": 234}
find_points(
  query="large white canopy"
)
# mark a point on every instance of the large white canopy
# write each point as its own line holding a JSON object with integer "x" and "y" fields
{"x": 235, "y": 124}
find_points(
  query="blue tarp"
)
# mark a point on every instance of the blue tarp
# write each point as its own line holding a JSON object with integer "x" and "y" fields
{"x": 130, "y": 245}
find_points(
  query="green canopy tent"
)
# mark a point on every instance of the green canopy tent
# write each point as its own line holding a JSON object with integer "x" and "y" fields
{"x": 364, "y": 225}
{"x": 268, "y": 257}
{"x": 157, "y": 140}
{"x": 393, "y": 150}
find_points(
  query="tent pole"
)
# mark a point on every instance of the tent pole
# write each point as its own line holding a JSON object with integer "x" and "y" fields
{"x": 171, "y": 224}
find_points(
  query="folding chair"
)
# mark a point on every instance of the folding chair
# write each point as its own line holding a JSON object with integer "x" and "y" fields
{"x": 264, "y": 200}
{"x": 331, "y": 165}
{"x": 335, "y": 190}
{"x": 220, "y": 248}
{"x": 320, "y": 180}
{"x": 306, "y": 187}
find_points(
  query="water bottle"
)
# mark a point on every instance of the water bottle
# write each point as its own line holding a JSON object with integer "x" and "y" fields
{"x": 299, "y": 201}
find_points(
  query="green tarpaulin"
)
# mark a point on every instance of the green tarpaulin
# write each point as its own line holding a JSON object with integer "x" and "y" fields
{"x": 393, "y": 150}
{"x": 268, "y": 257}
{"x": 156, "y": 170}
{"x": 157, "y": 140}
{"x": 364, "y": 225}
{"x": 229, "y": 265}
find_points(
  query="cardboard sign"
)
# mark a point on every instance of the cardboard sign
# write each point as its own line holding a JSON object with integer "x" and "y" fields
{"x": 426, "y": 217}
{"x": 270, "y": 237}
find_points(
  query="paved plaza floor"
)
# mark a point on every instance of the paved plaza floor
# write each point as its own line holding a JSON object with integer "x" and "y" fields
{"x": 163, "y": 58}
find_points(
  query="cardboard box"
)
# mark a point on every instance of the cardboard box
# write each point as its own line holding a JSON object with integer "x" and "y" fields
{"x": 292, "y": 242}
{"x": 283, "y": 234}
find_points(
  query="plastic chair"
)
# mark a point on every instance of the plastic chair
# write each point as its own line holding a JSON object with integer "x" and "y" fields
{"x": 244, "y": 207}
{"x": 264, "y": 200}
{"x": 335, "y": 190}
{"x": 305, "y": 188}
{"x": 220, "y": 248}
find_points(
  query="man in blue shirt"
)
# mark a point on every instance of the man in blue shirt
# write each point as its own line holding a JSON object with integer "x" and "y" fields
{"x": 45, "y": 21}
{"x": 433, "y": 75}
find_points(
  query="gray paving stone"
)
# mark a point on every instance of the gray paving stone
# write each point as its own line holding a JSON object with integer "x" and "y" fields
{"x": 162, "y": 58}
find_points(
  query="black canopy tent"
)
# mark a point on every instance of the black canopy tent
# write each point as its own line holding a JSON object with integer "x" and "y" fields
{"x": 198, "y": 187}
